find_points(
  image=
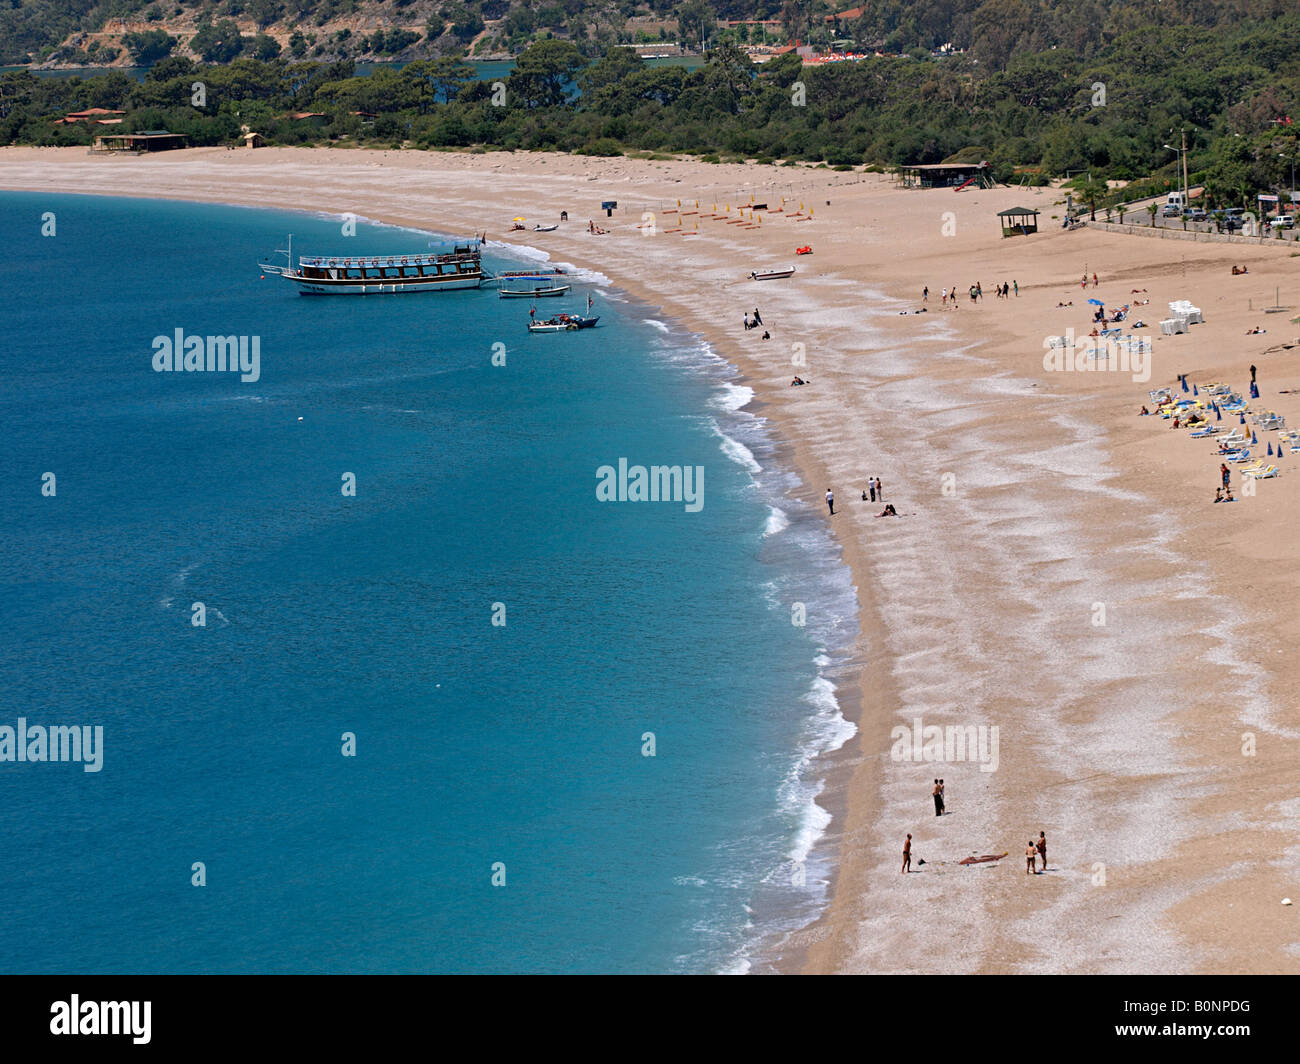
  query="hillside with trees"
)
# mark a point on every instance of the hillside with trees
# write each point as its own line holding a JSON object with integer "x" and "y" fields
{"x": 1102, "y": 109}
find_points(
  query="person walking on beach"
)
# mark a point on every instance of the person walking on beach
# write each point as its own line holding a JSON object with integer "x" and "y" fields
{"x": 1030, "y": 853}
{"x": 907, "y": 853}
{"x": 1016, "y": 284}
{"x": 925, "y": 294}
{"x": 938, "y": 799}
{"x": 1252, "y": 374}
{"x": 871, "y": 488}
{"x": 1226, "y": 473}
{"x": 830, "y": 501}
{"x": 1094, "y": 280}
{"x": 880, "y": 492}
{"x": 1041, "y": 846}
{"x": 943, "y": 297}
{"x": 979, "y": 290}
{"x": 758, "y": 318}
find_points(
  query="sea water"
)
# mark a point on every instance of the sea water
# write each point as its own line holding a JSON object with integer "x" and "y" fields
{"x": 384, "y": 687}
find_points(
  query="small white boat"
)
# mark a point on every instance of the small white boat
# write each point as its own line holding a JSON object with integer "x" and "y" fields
{"x": 554, "y": 325}
{"x": 771, "y": 273}
{"x": 545, "y": 228}
{"x": 532, "y": 293}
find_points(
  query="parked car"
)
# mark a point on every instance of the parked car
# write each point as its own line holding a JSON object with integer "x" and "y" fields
{"x": 1232, "y": 222}
{"x": 1170, "y": 210}
{"x": 1195, "y": 214}
{"x": 1283, "y": 221}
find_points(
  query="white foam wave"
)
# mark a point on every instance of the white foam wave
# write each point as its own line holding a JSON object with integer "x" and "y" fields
{"x": 738, "y": 453}
{"x": 733, "y": 396}
{"x": 777, "y": 522}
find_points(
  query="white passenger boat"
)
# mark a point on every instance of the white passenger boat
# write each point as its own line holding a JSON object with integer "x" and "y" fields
{"x": 459, "y": 267}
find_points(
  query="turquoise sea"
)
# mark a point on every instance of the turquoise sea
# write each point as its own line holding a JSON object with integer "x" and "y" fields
{"x": 499, "y": 813}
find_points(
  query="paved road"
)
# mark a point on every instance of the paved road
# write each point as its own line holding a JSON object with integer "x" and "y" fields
{"x": 1137, "y": 214}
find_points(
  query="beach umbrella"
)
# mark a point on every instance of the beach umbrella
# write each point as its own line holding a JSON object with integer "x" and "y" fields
{"x": 1194, "y": 391}
{"x": 1096, "y": 302}
{"x": 1254, "y": 390}
{"x": 1270, "y": 450}
{"x": 1184, "y": 381}
{"x": 1253, "y": 438}
{"x": 1218, "y": 414}
{"x": 1243, "y": 419}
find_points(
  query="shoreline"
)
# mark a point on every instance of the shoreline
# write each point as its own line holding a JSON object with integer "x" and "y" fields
{"x": 857, "y": 377}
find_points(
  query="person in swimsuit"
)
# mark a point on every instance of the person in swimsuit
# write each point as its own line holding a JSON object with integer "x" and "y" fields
{"x": 938, "y": 799}
{"x": 943, "y": 801}
{"x": 1030, "y": 854}
{"x": 1042, "y": 849}
{"x": 907, "y": 854}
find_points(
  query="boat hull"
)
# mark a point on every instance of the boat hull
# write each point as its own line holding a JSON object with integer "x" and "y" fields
{"x": 533, "y": 293}
{"x": 351, "y": 287}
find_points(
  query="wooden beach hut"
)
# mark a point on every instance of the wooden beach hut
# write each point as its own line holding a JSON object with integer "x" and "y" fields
{"x": 1018, "y": 221}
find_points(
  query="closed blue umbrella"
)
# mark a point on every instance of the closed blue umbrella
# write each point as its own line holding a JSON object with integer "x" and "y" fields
{"x": 1218, "y": 414}
{"x": 1270, "y": 450}
{"x": 1184, "y": 380}
{"x": 1253, "y": 438}
{"x": 1243, "y": 419}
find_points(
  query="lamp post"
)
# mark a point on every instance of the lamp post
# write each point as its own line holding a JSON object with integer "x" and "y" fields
{"x": 1182, "y": 158}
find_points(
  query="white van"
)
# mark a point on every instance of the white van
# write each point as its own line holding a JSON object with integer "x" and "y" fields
{"x": 1174, "y": 204}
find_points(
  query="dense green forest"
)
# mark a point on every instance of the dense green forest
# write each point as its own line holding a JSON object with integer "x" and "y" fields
{"x": 1107, "y": 111}
{"x": 991, "y": 30}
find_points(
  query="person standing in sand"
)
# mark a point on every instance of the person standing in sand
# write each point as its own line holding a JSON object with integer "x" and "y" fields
{"x": 943, "y": 798}
{"x": 907, "y": 853}
{"x": 943, "y": 297}
{"x": 925, "y": 294}
{"x": 1041, "y": 846}
{"x": 1030, "y": 853}
{"x": 871, "y": 488}
{"x": 830, "y": 501}
{"x": 880, "y": 492}
{"x": 1252, "y": 374}
{"x": 937, "y": 794}
{"x": 1016, "y": 286}
{"x": 1226, "y": 473}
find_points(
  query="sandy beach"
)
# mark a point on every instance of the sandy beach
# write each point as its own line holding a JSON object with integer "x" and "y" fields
{"x": 1059, "y": 572}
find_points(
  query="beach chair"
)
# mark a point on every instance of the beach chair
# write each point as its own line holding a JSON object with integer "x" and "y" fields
{"x": 1240, "y": 456}
{"x": 1266, "y": 473}
{"x": 1209, "y": 430}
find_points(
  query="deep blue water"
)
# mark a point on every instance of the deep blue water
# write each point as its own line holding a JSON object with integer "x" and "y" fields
{"x": 326, "y": 614}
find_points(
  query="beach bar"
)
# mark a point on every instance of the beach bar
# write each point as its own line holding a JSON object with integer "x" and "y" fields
{"x": 946, "y": 175}
{"x": 1019, "y": 221}
{"x": 147, "y": 141}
